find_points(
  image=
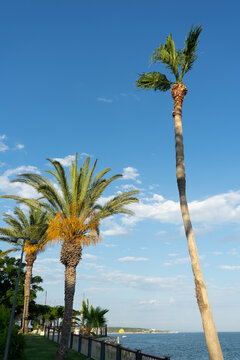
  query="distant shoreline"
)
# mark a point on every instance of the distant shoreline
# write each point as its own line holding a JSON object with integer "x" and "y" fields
{"x": 143, "y": 332}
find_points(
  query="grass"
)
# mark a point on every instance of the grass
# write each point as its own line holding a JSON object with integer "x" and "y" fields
{"x": 39, "y": 348}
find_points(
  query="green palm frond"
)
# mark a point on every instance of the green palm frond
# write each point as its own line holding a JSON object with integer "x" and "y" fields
{"x": 167, "y": 54}
{"x": 61, "y": 178}
{"x": 117, "y": 205}
{"x": 34, "y": 226}
{"x": 189, "y": 55}
{"x": 153, "y": 80}
{"x": 78, "y": 197}
{"x": 6, "y": 252}
{"x": 174, "y": 60}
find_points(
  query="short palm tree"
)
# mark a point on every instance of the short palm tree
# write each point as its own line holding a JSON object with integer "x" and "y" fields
{"x": 92, "y": 318}
{"x": 179, "y": 62}
{"x": 33, "y": 226}
{"x": 77, "y": 216}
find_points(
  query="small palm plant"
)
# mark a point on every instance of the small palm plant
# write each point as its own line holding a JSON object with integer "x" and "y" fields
{"x": 179, "y": 62}
{"x": 33, "y": 226}
{"x": 77, "y": 216}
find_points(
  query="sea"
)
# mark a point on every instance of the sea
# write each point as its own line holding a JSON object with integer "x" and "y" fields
{"x": 181, "y": 346}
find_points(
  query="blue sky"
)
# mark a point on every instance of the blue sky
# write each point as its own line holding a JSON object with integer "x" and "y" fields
{"x": 67, "y": 71}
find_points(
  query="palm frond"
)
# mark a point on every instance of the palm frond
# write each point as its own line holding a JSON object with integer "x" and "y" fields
{"x": 167, "y": 54}
{"x": 117, "y": 205}
{"x": 153, "y": 80}
{"x": 61, "y": 177}
{"x": 6, "y": 252}
{"x": 188, "y": 54}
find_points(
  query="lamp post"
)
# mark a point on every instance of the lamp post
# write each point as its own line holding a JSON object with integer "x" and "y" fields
{"x": 15, "y": 239}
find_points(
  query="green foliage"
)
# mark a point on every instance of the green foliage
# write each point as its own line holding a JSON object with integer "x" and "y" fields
{"x": 174, "y": 60}
{"x": 153, "y": 80}
{"x": 17, "y": 340}
{"x": 33, "y": 226}
{"x": 80, "y": 196}
{"x": 166, "y": 54}
{"x": 92, "y": 317}
{"x": 8, "y": 277}
{"x": 188, "y": 54}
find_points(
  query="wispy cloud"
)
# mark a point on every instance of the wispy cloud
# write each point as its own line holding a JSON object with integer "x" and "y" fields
{"x": 230, "y": 267}
{"x": 132, "y": 258}
{"x": 145, "y": 283}
{"x": 67, "y": 160}
{"x": 3, "y": 145}
{"x": 105, "y": 100}
{"x": 89, "y": 257}
{"x": 20, "y": 146}
{"x": 111, "y": 228}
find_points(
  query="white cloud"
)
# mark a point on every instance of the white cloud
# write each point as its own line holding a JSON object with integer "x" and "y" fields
{"x": 89, "y": 257}
{"x": 105, "y": 100}
{"x": 19, "y": 189}
{"x": 20, "y": 146}
{"x": 3, "y": 146}
{"x": 218, "y": 209}
{"x": 114, "y": 230}
{"x": 131, "y": 258}
{"x": 130, "y": 173}
{"x": 109, "y": 245}
{"x": 128, "y": 187}
{"x": 145, "y": 283}
{"x": 67, "y": 160}
{"x": 89, "y": 265}
{"x": 230, "y": 267}
{"x": 149, "y": 302}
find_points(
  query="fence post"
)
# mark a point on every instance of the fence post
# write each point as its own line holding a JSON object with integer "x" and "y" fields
{"x": 45, "y": 331}
{"x": 48, "y": 332}
{"x": 71, "y": 341}
{"x": 89, "y": 347}
{"x": 79, "y": 343}
{"x": 138, "y": 355}
{"x": 118, "y": 352}
{"x": 58, "y": 339}
{"x": 102, "y": 353}
{"x": 53, "y": 334}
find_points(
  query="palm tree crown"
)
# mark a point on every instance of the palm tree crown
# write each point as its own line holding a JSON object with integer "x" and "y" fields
{"x": 179, "y": 62}
{"x": 33, "y": 226}
{"x": 76, "y": 212}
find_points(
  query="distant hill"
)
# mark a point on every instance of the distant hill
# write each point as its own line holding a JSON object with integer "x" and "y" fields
{"x": 113, "y": 329}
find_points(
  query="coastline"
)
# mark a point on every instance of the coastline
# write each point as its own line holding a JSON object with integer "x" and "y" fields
{"x": 143, "y": 332}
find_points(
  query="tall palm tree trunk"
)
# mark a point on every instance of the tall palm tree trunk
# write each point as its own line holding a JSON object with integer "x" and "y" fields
{"x": 214, "y": 349}
{"x": 28, "y": 277}
{"x": 71, "y": 254}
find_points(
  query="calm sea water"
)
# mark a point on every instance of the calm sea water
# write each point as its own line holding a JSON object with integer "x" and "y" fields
{"x": 182, "y": 346}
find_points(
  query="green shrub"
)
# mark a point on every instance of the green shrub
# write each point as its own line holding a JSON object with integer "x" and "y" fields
{"x": 17, "y": 340}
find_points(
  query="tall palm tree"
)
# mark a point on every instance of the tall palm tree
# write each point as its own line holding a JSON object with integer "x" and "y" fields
{"x": 77, "y": 216}
{"x": 34, "y": 227}
{"x": 179, "y": 62}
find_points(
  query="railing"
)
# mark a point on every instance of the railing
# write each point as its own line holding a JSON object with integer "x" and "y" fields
{"x": 97, "y": 349}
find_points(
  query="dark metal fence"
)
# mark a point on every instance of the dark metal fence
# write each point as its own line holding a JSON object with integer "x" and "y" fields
{"x": 97, "y": 349}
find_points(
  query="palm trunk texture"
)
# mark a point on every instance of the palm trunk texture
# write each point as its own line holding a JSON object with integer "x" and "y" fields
{"x": 28, "y": 277}
{"x": 71, "y": 254}
{"x": 214, "y": 349}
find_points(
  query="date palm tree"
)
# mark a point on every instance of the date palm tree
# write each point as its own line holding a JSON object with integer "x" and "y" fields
{"x": 77, "y": 216}
{"x": 179, "y": 62}
{"x": 33, "y": 226}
